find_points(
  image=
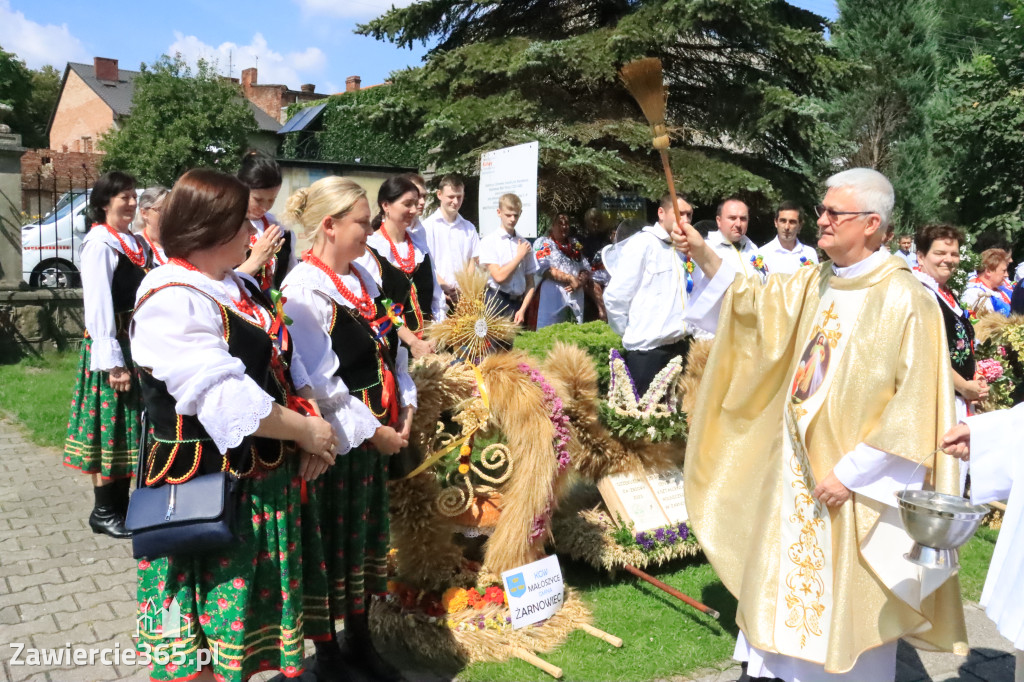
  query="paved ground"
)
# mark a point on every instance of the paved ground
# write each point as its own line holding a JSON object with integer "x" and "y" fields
{"x": 63, "y": 586}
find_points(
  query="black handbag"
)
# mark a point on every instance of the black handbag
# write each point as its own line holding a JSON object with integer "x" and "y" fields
{"x": 181, "y": 518}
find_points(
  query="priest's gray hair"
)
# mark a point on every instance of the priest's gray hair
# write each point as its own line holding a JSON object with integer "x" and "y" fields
{"x": 873, "y": 191}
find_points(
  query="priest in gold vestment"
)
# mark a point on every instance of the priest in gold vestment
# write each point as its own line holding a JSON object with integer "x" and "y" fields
{"x": 790, "y": 485}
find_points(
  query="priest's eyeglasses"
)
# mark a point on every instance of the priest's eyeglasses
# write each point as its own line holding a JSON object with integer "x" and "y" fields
{"x": 833, "y": 215}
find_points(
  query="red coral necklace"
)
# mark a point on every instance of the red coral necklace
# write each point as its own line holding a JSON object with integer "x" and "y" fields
{"x": 408, "y": 264}
{"x": 363, "y": 304}
{"x": 136, "y": 257}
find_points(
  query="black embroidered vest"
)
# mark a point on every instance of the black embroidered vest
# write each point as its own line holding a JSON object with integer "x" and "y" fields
{"x": 180, "y": 447}
{"x": 361, "y": 358}
{"x": 414, "y": 291}
{"x": 127, "y": 278}
{"x": 960, "y": 338}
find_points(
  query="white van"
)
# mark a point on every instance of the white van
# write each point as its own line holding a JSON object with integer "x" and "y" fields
{"x": 50, "y": 248}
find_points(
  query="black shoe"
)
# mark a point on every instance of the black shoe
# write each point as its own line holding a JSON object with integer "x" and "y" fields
{"x": 104, "y": 518}
{"x": 357, "y": 650}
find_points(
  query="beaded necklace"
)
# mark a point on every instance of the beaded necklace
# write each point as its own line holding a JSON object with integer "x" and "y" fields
{"x": 408, "y": 264}
{"x": 154, "y": 249}
{"x": 137, "y": 258}
{"x": 244, "y": 305}
{"x": 363, "y": 303}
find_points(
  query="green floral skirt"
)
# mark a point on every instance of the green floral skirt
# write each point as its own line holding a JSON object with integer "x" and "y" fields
{"x": 242, "y": 605}
{"x": 103, "y": 428}
{"x": 355, "y": 530}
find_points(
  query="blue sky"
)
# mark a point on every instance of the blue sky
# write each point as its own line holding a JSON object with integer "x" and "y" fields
{"x": 290, "y": 41}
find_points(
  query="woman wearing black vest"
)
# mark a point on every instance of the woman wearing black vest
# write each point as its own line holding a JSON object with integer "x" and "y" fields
{"x": 215, "y": 377}
{"x": 400, "y": 256}
{"x": 103, "y": 427}
{"x": 358, "y": 375}
{"x": 272, "y": 248}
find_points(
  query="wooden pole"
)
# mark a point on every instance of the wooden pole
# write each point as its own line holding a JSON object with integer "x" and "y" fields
{"x": 538, "y": 662}
{"x": 671, "y": 186}
{"x": 601, "y": 634}
{"x": 673, "y": 591}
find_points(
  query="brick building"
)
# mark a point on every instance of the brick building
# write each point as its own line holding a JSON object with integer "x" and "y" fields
{"x": 274, "y": 99}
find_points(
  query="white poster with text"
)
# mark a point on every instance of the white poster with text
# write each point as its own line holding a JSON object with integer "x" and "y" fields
{"x": 535, "y": 591}
{"x": 509, "y": 170}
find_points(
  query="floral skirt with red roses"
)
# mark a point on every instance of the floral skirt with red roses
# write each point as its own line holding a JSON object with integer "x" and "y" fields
{"x": 353, "y": 503}
{"x": 244, "y": 605}
{"x": 103, "y": 427}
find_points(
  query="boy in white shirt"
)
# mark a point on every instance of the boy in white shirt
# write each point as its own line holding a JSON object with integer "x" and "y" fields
{"x": 509, "y": 261}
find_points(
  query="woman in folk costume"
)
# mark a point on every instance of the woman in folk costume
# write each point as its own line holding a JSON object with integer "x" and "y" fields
{"x": 566, "y": 276}
{"x": 991, "y": 442}
{"x": 147, "y": 225}
{"x": 346, "y": 339}
{"x": 792, "y": 497}
{"x": 214, "y": 370}
{"x": 984, "y": 293}
{"x": 272, "y": 252}
{"x": 399, "y": 256}
{"x": 103, "y": 428}
{"x": 938, "y": 256}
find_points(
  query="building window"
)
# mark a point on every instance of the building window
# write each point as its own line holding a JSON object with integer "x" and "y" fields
{"x": 76, "y": 146}
{"x": 87, "y": 145}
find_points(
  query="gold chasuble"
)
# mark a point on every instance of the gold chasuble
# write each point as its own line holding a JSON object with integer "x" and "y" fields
{"x": 804, "y": 368}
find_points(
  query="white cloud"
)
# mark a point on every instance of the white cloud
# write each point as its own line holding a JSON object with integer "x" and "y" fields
{"x": 39, "y": 44}
{"x": 360, "y": 9}
{"x": 290, "y": 69}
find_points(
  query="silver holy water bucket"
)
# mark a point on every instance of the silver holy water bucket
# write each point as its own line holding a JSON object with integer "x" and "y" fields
{"x": 939, "y": 524}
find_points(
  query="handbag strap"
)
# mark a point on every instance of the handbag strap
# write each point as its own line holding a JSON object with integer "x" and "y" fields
{"x": 140, "y": 460}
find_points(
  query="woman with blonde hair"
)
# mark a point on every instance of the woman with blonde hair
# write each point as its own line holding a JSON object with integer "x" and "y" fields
{"x": 347, "y": 342}
{"x": 984, "y": 292}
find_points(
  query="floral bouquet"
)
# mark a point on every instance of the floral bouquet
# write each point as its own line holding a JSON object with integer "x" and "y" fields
{"x": 655, "y": 416}
{"x": 998, "y": 354}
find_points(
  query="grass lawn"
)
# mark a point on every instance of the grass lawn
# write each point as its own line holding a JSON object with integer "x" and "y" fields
{"x": 662, "y": 636}
{"x": 37, "y": 391}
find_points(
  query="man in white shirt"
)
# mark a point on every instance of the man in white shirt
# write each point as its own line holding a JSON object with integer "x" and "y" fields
{"x": 906, "y": 250}
{"x": 510, "y": 262}
{"x": 730, "y": 241}
{"x": 786, "y": 254}
{"x": 647, "y": 296}
{"x": 452, "y": 240}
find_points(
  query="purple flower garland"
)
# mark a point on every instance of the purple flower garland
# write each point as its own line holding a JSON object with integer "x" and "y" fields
{"x": 662, "y": 536}
{"x": 561, "y": 439}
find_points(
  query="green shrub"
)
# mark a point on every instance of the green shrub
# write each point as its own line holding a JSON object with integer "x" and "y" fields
{"x": 595, "y": 338}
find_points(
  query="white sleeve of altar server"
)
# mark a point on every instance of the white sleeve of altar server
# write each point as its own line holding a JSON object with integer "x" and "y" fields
{"x": 996, "y": 457}
{"x": 705, "y": 303}
{"x": 191, "y": 357}
{"x": 877, "y": 474}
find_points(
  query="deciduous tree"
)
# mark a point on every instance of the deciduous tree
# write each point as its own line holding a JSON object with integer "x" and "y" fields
{"x": 181, "y": 118}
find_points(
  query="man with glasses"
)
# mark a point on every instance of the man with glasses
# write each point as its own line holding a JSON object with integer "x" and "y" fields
{"x": 819, "y": 398}
{"x": 647, "y": 296}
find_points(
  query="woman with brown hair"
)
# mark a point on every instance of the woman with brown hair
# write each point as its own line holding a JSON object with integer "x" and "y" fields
{"x": 217, "y": 390}
{"x": 984, "y": 293}
{"x": 103, "y": 427}
{"x": 347, "y": 341}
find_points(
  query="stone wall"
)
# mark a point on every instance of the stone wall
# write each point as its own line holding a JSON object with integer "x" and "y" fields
{"x": 39, "y": 320}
